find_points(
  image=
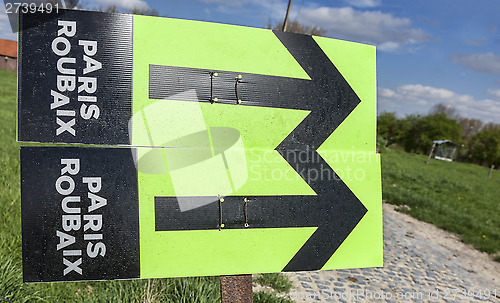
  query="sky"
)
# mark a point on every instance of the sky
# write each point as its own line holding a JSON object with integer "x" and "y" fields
{"x": 428, "y": 51}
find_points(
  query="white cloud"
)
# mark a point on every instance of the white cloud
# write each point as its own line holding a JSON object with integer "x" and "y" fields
{"x": 421, "y": 98}
{"x": 485, "y": 63}
{"x": 385, "y": 30}
{"x": 226, "y": 2}
{"x": 388, "y": 46}
{"x": 240, "y": 3}
{"x": 363, "y": 3}
{"x": 382, "y": 29}
{"x": 124, "y": 4}
{"x": 494, "y": 93}
{"x": 478, "y": 42}
{"x": 428, "y": 92}
{"x": 273, "y": 9}
{"x": 385, "y": 93}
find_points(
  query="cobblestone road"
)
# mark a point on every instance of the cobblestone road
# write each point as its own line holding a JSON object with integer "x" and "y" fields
{"x": 421, "y": 264}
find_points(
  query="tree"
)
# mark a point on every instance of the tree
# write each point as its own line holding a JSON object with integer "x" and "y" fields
{"x": 470, "y": 127}
{"x": 491, "y": 126}
{"x": 109, "y": 9}
{"x": 485, "y": 147}
{"x": 409, "y": 132}
{"x": 135, "y": 10}
{"x": 447, "y": 110}
{"x": 144, "y": 11}
{"x": 295, "y": 27}
{"x": 387, "y": 127}
{"x": 418, "y": 132}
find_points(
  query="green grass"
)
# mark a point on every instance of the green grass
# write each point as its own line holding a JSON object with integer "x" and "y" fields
{"x": 454, "y": 196}
{"x": 276, "y": 281}
{"x": 264, "y": 297}
{"x": 279, "y": 283}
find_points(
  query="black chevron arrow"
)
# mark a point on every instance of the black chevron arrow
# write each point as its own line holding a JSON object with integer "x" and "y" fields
{"x": 335, "y": 210}
{"x": 327, "y": 95}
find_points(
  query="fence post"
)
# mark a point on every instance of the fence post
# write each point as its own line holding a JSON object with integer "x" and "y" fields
{"x": 430, "y": 154}
{"x": 491, "y": 171}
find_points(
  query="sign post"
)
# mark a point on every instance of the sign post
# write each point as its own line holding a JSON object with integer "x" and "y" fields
{"x": 209, "y": 149}
{"x": 236, "y": 289}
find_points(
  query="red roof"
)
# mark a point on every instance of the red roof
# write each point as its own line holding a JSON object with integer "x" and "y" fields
{"x": 8, "y": 48}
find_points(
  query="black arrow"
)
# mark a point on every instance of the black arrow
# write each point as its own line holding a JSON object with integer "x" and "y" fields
{"x": 327, "y": 95}
{"x": 335, "y": 210}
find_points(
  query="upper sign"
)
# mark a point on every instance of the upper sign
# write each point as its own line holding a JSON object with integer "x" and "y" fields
{"x": 75, "y": 77}
{"x": 255, "y": 149}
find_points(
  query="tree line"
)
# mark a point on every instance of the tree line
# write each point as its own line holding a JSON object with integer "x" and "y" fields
{"x": 477, "y": 142}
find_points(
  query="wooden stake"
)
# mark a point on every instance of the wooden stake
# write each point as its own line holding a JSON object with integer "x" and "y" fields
{"x": 491, "y": 171}
{"x": 236, "y": 289}
{"x": 430, "y": 154}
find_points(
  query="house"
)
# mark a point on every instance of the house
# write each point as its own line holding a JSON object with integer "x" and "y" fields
{"x": 8, "y": 54}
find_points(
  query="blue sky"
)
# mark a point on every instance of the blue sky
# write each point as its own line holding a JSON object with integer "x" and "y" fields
{"x": 428, "y": 52}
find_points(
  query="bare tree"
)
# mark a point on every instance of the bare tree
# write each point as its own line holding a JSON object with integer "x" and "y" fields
{"x": 135, "y": 10}
{"x": 145, "y": 11}
{"x": 490, "y": 126}
{"x": 109, "y": 9}
{"x": 443, "y": 109}
{"x": 295, "y": 27}
{"x": 470, "y": 127}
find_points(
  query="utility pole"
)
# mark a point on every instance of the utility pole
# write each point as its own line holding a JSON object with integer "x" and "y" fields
{"x": 285, "y": 23}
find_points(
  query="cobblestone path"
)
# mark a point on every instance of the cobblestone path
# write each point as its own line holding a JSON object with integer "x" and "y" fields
{"x": 421, "y": 264}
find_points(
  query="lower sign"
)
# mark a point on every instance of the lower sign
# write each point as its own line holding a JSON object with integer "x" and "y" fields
{"x": 108, "y": 213}
{"x": 80, "y": 214}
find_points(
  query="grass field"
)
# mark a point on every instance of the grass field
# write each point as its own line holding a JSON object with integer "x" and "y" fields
{"x": 457, "y": 197}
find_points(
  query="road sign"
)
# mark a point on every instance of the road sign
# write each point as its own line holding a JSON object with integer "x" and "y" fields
{"x": 251, "y": 150}
{"x": 80, "y": 216}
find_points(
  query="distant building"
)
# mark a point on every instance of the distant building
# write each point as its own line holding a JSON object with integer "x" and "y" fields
{"x": 8, "y": 54}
